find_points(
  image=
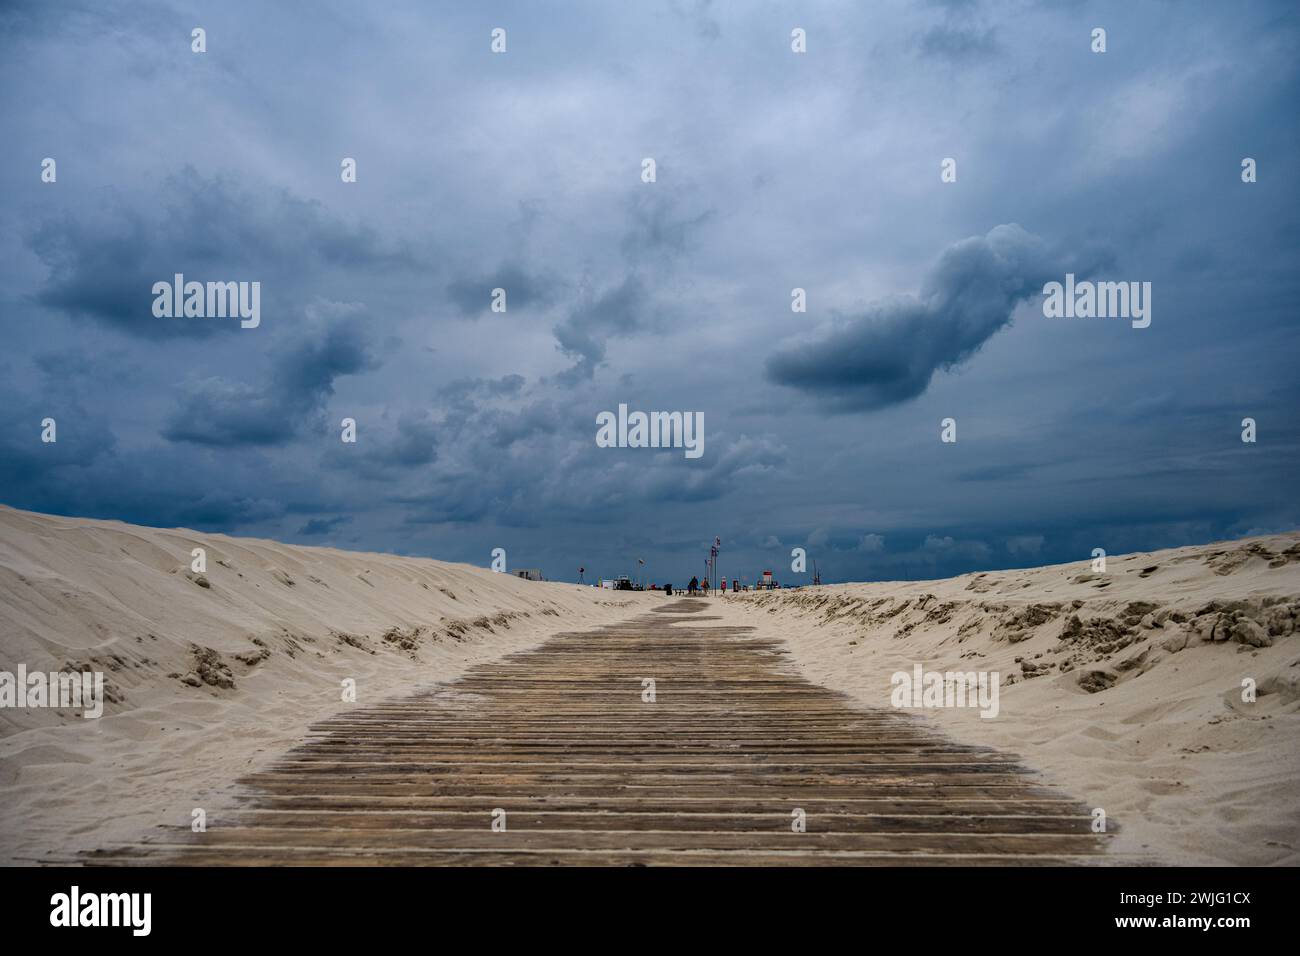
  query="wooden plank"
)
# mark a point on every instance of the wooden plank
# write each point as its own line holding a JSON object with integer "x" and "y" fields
{"x": 590, "y": 774}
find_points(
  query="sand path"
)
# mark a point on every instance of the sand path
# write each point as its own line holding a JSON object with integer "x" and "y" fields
{"x": 586, "y": 771}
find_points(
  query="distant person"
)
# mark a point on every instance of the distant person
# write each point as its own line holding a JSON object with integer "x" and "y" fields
{"x": 705, "y": 585}
{"x": 722, "y": 589}
{"x": 693, "y": 586}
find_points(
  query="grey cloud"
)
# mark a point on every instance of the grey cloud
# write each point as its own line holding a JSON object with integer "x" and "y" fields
{"x": 517, "y": 424}
{"x": 523, "y": 290}
{"x": 1025, "y": 544}
{"x": 697, "y": 13}
{"x": 582, "y": 336}
{"x": 890, "y": 353}
{"x": 658, "y": 227}
{"x": 669, "y": 295}
{"x": 102, "y": 262}
{"x": 223, "y": 413}
{"x": 323, "y": 526}
{"x": 416, "y": 442}
{"x": 76, "y": 364}
{"x": 86, "y": 473}
{"x": 384, "y": 453}
{"x": 958, "y": 43}
{"x": 84, "y": 438}
{"x": 721, "y": 472}
{"x": 658, "y": 233}
{"x": 305, "y": 374}
{"x": 999, "y": 471}
{"x": 505, "y": 385}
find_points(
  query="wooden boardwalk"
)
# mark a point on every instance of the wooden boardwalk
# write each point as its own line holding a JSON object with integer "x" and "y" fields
{"x": 588, "y": 772}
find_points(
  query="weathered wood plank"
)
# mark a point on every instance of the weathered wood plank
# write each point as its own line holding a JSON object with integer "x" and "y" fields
{"x": 588, "y": 773}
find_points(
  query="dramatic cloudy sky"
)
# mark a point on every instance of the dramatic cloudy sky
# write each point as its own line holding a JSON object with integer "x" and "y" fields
{"x": 775, "y": 171}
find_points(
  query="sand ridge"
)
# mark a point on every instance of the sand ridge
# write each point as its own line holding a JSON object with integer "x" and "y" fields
{"x": 209, "y": 675}
{"x": 1125, "y": 688}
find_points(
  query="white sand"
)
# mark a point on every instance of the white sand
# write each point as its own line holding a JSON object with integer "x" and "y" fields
{"x": 121, "y": 599}
{"x": 1189, "y": 772}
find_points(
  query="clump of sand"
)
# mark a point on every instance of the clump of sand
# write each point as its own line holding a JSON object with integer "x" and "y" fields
{"x": 207, "y": 674}
{"x": 1125, "y": 688}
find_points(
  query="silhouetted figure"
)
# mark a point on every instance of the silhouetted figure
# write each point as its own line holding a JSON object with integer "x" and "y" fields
{"x": 693, "y": 586}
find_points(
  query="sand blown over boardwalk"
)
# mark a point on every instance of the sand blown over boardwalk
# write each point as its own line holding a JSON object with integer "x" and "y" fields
{"x": 725, "y": 756}
{"x": 208, "y": 676}
{"x": 1125, "y": 687}
{"x": 1122, "y": 690}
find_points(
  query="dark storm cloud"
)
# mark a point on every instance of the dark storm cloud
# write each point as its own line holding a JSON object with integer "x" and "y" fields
{"x": 69, "y": 363}
{"x": 386, "y": 452}
{"x": 322, "y": 526}
{"x": 103, "y": 260}
{"x": 454, "y": 498}
{"x": 223, "y": 413}
{"x": 86, "y": 472}
{"x": 739, "y": 465}
{"x": 546, "y": 479}
{"x": 76, "y": 371}
{"x": 83, "y": 438}
{"x": 304, "y": 375}
{"x": 997, "y": 472}
{"x": 474, "y": 296}
{"x": 213, "y": 509}
{"x": 888, "y": 354}
{"x": 416, "y": 442}
{"x": 775, "y": 170}
{"x": 658, "y": 232}
{"x": 582, "y": 336}
{"x": 461, "y": 387}
{"x": 514, "y": 425}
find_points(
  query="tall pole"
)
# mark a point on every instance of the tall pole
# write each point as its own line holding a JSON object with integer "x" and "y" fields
{"x": 712, "y": 562}
{"x": 717, "y": 546}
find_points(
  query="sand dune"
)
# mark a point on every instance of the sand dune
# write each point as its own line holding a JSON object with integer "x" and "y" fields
{"x": 206, "y": 675}
{"x": 1125, "y": 688}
